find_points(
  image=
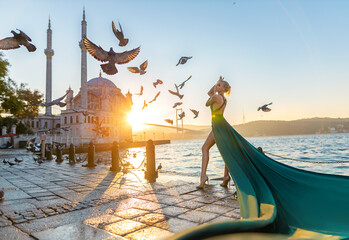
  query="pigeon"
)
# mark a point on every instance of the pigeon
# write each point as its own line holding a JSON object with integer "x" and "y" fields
{"x": 144, "y": 105}
{"x": 182, "y": 84}
{"x": 183, "y": 60}
{"x": 111, "y": 57}
{"x": 141, "y": 92}
{"x": 40, "y": 161}
{"x": 11, "y": 163}
{"x": 159, "y": 167}
{"x": 177, "y": 104}
{"x": 170, "y": 121}
{"x": 4, "y": 161}
{"x": 55, "y": 102}
{"x": 17, "y": 160}
{"x": 158, "y": 81}
{"x": 176, "y": 93}
{"x": 265, "y": 108}
{"x": 140, "y": 70}
{"x": 155, "y": 97}
{"x": 182, "y": 115}
{"x": 196, "y": 113}
{"x": 85, "y": 113}
{"x": 119, "y": 35}
{"x": 16, "y": 41}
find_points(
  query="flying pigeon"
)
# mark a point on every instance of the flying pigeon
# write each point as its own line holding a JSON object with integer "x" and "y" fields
{"x": 158, "y": 81}
{"x": 196, "y": 113}
{"x": 183, "y": 60}
{"x": 176, "y": 93}
{"x": 16, "y": 41}
{"x": 119, "y": 35}
{"x": 111, "y": 57}
{"x": 265, "y": 108}
{"x": 182, "y": 115}
{"x": 170, "y": 121}
{"x": 144, "y": 105}
{"x": 155, "y": 97}
{"x": 182, "y": 84}
{"x": 140, "y": 70}
{"x": 55, "y": 102}
{"x": 177, "y": 104}
{"x": 141, "y": 92}
{"x": 85, "y": 113}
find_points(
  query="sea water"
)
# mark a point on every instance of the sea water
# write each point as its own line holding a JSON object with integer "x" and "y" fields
{"x": 183, "y": 157}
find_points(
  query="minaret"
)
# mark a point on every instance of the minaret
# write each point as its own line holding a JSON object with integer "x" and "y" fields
{"x": 49, "y": 53}
{"x": 83, "y": 89}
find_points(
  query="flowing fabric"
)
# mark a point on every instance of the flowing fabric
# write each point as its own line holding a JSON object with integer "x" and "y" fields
{"x": 276, "y": 198}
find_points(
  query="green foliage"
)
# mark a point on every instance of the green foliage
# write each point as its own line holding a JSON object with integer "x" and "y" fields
{"x": 19, "y": 101}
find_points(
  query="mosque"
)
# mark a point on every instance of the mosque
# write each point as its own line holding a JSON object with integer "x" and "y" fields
{"x": 97, "y": 112}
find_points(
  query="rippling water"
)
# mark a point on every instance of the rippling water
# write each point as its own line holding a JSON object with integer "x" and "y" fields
{"x": 184, "y": 157}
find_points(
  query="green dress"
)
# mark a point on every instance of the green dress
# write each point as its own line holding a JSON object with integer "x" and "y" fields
{"x": 276, "y": 198}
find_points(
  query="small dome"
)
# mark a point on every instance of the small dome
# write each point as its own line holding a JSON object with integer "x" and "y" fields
{"x": 100, "y": 81}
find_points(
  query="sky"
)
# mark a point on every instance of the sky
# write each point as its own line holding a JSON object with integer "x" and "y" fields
{"x": 292, "y": 53}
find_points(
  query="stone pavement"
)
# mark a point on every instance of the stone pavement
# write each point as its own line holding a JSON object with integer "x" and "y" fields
{"x": 63, "y": 201}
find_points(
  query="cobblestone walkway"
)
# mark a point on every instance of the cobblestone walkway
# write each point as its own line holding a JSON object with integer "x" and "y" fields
{"x": 63, "y": 201}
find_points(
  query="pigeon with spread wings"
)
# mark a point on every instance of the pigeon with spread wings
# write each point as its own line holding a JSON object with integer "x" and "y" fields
{"x": 55, "y": 102}
{"x": 183, "y": 60}
{"x": 111, "y": 57}
{"x": 182, "y": 84}
{"x": 141, "y": 92}
{"x": 182, "y": 115}
{"x": 170, "y": 121}
{"x": 155, "y": 97}
{"x": 144, "y": 105}
{"x": 18, "y": 39}
{"x": 176, "y": 93}
{"x": 158, "y": 81}
{"x": 140, "y": 70}
{"x": 196, "y": 113}
{"x": 265, "y": 108}
{"x": 177, "y": 104}
{"x": 119, "y": 35}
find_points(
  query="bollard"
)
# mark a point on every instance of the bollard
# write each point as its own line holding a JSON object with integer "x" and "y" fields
{"x": 72, "y": 153}
{"x": 115, "y": 159}
{"x": 150, "y": 173}
{"x": 48, "y": 152}
{"x": 59, "y": 153}
{"x": 90, "y": 156}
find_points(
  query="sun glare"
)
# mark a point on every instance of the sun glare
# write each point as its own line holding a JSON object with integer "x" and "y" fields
{"x": 136, "y": 119}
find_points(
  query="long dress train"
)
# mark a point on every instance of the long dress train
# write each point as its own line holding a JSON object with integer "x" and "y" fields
{"x": 274, "y": 197}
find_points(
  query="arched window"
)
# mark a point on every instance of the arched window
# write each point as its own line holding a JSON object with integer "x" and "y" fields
{"x": 77, "y": 119}
{"x": 65, "y": 120}
{"x": 71, "y": 119}
{"x": 88, "y": 119}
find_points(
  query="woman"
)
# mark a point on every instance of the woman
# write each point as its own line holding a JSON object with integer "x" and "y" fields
{"x": 217, "y": 103}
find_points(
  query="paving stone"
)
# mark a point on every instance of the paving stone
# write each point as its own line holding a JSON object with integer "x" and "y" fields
{"x": 102, "y": 221}
{"x": 74, "y": 232}
{"x": 124, "y": 227}
{"x": 177, "y": 225}
{"x": 150, "y": 233}
{"x": 172, "y": 211}
{"x": 13, "y": 233}
{"x": 191, "y": 204}
{"x": 150, "y": 218}
{"x": 130, "y": 213}
{"x": 215, "y": 209}
{"x": 198, "y": 216}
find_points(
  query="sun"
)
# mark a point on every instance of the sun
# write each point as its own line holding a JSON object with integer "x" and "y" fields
{"x": 136, "y": 119}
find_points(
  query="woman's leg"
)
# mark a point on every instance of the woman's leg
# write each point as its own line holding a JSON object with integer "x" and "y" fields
{"x": 205, "y": 156}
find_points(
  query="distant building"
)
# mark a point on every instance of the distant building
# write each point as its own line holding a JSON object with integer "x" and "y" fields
{"x": 98, "y": 112}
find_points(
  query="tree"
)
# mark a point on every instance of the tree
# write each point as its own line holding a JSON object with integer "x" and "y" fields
{"x": 30, "y": 101}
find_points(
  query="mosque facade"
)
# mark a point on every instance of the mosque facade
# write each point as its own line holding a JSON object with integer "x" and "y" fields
{"x": 97, "y": 112}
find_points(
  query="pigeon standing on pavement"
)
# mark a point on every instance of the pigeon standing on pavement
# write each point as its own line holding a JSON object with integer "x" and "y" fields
{"x": 140, "y": 70}
{"x": 183, "y": 60}
{"x": 119, "y": 35}
{"x": 110, "y": 57}
{"x": 11, "y": 163}
{"x": 18, "y": 39}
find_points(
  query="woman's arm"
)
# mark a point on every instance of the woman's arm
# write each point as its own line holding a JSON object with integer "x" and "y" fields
{"x": 212, "y": 91}
{"x": 211, "y": 100}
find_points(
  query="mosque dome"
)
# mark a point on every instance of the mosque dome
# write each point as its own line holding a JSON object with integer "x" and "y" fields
{"x": 100, "y": 81}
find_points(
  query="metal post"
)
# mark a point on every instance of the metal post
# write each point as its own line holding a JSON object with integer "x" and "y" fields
{"x": 150, "y": 173}
{"x": 59, "y": 153}
{"x": 90, "y": 156}
{"x": 72, "y": 153}
{"x": 115, "y": 159}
